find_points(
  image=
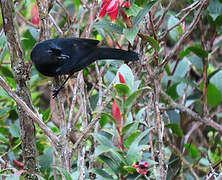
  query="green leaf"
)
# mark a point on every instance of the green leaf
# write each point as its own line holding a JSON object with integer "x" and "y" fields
{"x": 133, "y": 97}
{"x": 103, "y": 173}
{"x": 192, "y": 149}
{"x": 127, "y": 74}
{"x": 180, "y": 30}
{"x": 183, "y": 53}
{"x": 45, "y": 160}
{"x": 197, "y": 49}
{"x": 28, "y": 41}
{"x": 103, "y": 140}
{"x": 216, "y": 80}
{"x": 107, "y": 25}
{"x": 130, "y": 34}
{"x": 4, "y": 111}
{"x": 140, "y": 116}
{"x": 213, "y": 95}
{"x": 6, "y": 71}
{"x": 175, "y": 128}
{"x": 117, "y": 157}
{"x": 178, "y": 80}
{"x": 151, "y": 41}
{"x": 76, "y": 2}
{"x": 105, "y": 118}
{"x": 134, "y": 153}
{"x": 122, "y": 89}
{"x": 3, "y": 139}
{"x": 133, "y": 10}
{"x": 172, "y": 91}
{"x": 214, "y": 8}
{"x": 128, "y": 126}
{"x": 204, "y": 161}
{"x": 182, "y": 68}
{"x": 46, "y": 114}
{"x": 197, "y": 62}
{"x": 94, "y": 100}
{"x": 14, "y": 130}
{"x": 130, "y": 169}
{"x": 142, "y": 13}
{"x": 100, "y": 149}
{"x": 131, "y": 139}
{"x": 35, "y": 34}
{"x": 173, "y": 33}
{"x": 34, "y": 79}
{"x": 110, "y": 163}
{"x": 66, "y": 174}
{"x": 140, "y": 2}
{"x": 182, "y": 87}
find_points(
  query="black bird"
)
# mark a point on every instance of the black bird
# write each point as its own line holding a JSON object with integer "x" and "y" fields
{"x": 68, "y": 55}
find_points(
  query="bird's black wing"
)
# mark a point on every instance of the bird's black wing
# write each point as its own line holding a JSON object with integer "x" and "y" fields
{"x": 79, "y": 52}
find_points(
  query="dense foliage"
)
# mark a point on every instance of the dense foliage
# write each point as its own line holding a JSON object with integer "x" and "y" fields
{"x": 158, "y": 118}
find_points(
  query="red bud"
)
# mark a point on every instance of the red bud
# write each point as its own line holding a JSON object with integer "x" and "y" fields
{"x": 116, "y": 114}
{"x": 19, "y": 164}
{"x": 35, "y": 14}
{"x": 121, "y": 78}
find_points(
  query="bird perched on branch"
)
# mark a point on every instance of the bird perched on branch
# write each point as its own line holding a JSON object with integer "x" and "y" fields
{"x": 68, "y": 55}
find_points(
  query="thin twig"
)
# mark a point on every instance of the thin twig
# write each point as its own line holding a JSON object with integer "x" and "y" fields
{"x": 177, "y": 24}
{"x": 180, "y": 41}
{"x": 80, "y": 21}
{"x": 64, "y": 9}
{"x": 157, "y": 25}
{"x": 96, "y": 118}
{"x": 56, "y": 25}
{"x": 205, "y": 66}
{"x": 188, "y": 8}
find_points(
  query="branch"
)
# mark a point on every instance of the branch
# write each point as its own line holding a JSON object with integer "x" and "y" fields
{"x": 167, "y": 58}
{"x": 206, "y": 120}
{"x": 93, "y": 122}
{"x": 29, "y": 112}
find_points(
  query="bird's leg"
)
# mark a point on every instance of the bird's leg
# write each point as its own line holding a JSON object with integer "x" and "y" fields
{"x": 56, "y": 90}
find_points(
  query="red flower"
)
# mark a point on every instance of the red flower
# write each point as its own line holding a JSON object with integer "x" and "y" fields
{"x": 126, "y": 4}
{"x": 121, "y": 78}
{"x": 35, "y": 14}
{"x": 112, "y": 8}
{"x": 141, "y": 167}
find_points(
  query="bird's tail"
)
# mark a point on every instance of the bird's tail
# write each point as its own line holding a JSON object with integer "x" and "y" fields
{"x": 117, "y": 54}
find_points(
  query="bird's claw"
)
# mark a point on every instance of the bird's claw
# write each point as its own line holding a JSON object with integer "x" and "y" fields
{"x": 55, "y": 92}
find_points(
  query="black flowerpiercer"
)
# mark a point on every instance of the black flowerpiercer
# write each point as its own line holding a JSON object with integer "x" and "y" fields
{"x": 68, "y": 55}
